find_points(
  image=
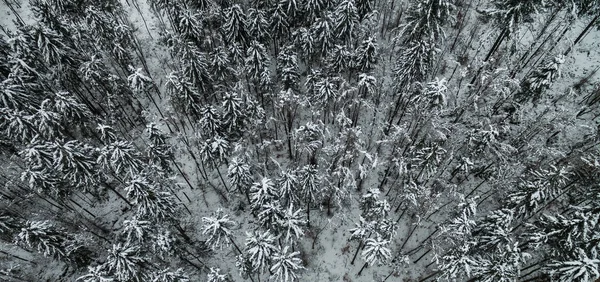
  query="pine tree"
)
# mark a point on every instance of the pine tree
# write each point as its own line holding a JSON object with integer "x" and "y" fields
{"x": 366, "y": 54}
{"x": 260, "y": 248}
{"x": 220, "y": 65}
{"x": 215, "y": 276}
{"x": 47, "y": 123}
{"x": 124, "y": 262}
{"x": 376, "y": 250}
{"x": 288, "y": 67}
{"x": 107, "y": 133}
{"x": 291, "y": 224}
{"x": 121, "y": 158}
{"x": 69, "y": 108}
{"x": 288, "y": 185}
{"x": 215, "y": 150}
{"x": 433, "y": 94}
{"x": 340, "y": 59}
{"x": 510, "y": 13}
{"x": 346, "y": 20}
{"x": 190, "y": 24}
{"x": 285, "y": 265}
{"x": 326, "y": 90}
{"x": 138, "y": 81}
{"x": 163, "y": 242}
{"x": 240, "y": 176}
{"x": 14, "y": 96}
{"x": 168, "y": 275}
{"x": 235, "y": 29}
{"x": 364, "y": 7}
{"x": 314, "y": 8}
{"x": 234, "y": 113}
{"x": 583, "y": 268}
{"x": 44, "y": 237}
{"x": 279, "y": 24}
{"x": 159, "y": 152}
{"x": 184, "y": 95}
{"x": 135, "y": 229}
{"x": 258, "y": 25}
{"x": 74, "y": 159}
{"x": 309, "y": 187}
{"x": 151, "y": 202}
{"x": 97, "y": 273}
{"x": 323, "y": 32}
{"x": 541, "y": 79}
{"x": 270, "y": 214}
{"x": 262, "y": 192}
{"x": 256, "y": 61}
{"x": 218, "y": 228}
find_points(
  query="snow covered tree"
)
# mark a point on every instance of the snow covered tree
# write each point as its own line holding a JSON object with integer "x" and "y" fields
{"x": 376, "y": 250}
{"x": 215, "y": 150}
{"x": 151, "y": 202}
{"x": 346, "y": 20}
{"x": 44, "y": 237}
{"x": 284, "y": 265}
{"x": 433, "y": 94}
{"x": 531, "y": 194}
{"x": 262, "y": 192}
{"x": 309, "y": 186}
{"x": 47, "y": 122}
{"x": 426, "y": 19}
{"x": 257, "y": 60}
{"x": 240, "y": 176}
{"x": 428, "y": 159}
{"x": 363, "y": 8}
{"x": 270, "y": 215}
{"x": 14, "y": 96}
{"x": 366, "y": 54}
{"x": 184, "y": 95}
{"x": 414, "y": 62}
{"x": 234, "y": 28}
{"x": 279, "y": 24}
{"x": 158, "y": 151}
{"x": 189, "y": 24}
{"x": 168, "y": 275}
{"x": 220, "y": 65}
{"x": 138, "y": 81}
{"x": 215, "y": 276}
{"x": 288, "y": 185}
{"x": 75, "y": 160}
{"x": 323, "y": 33}
{"x": 107, "y": 133}
{"x": 258, "y": 25}
{"x": 124, "y": 262}
{"x": 218, "y": 228}
{"x": 97, "y": 273}
{"x": 121, "y": 158}
{"x": 291, "y": 224}
{"x": 509, "y": 13}
{"x": 163, "y": 242}
{"x": 340, "y": 59}
{"x": 234, "y": 113}
{"x": 288, "y": 68}
{"x": 135, "y": 229}
{"x": 314, "y": 8}
{"x": 541, "y": 79}
{"x": 308, "y": 139}
{"x": 583, "y": 268}
{"x": 259, "y": 249}
{"x": 326, "y": 90}
{"x": 69, "y": 108}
